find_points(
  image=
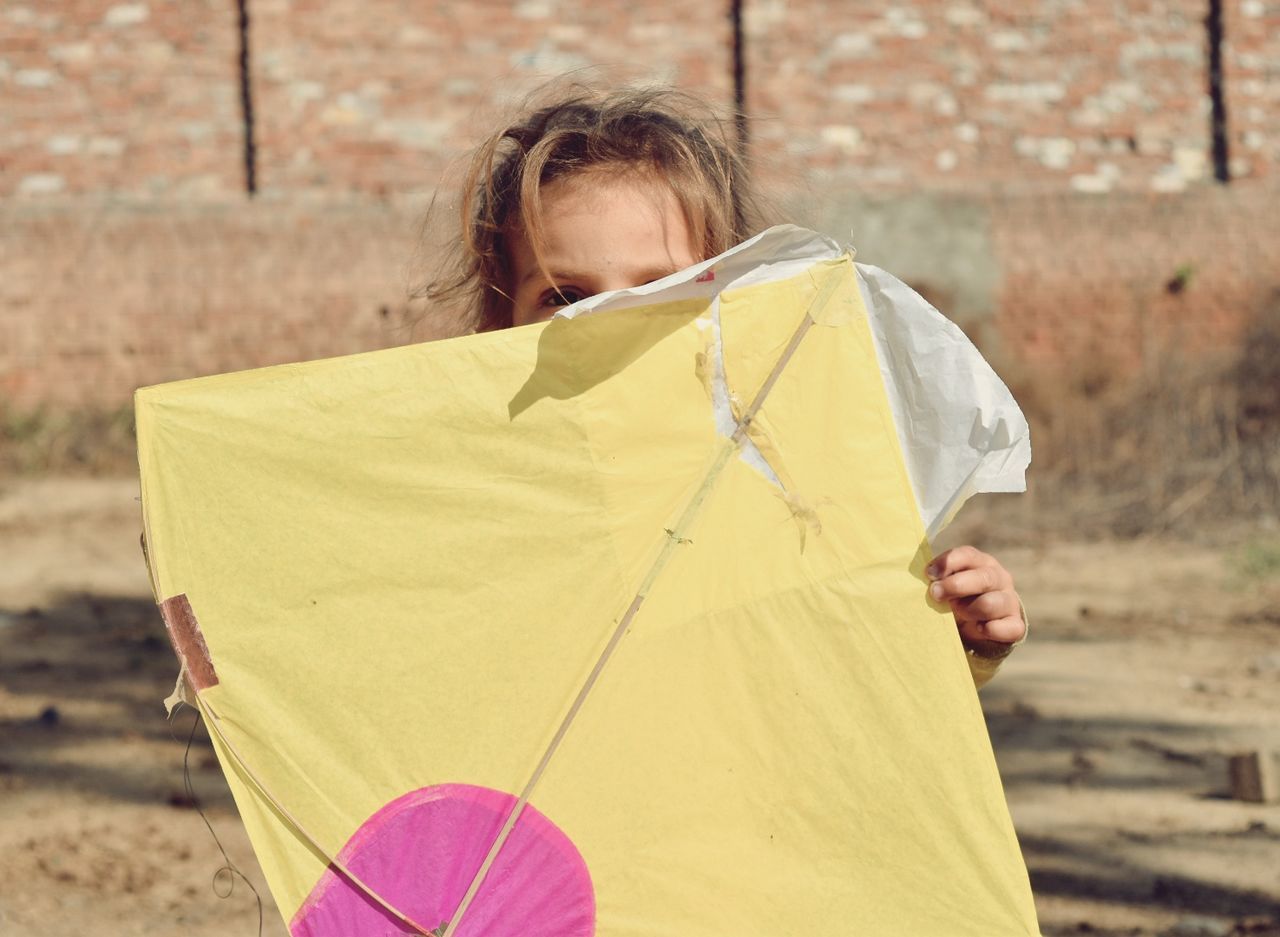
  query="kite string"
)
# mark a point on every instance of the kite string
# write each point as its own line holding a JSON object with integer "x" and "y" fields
{"x": 212, "y": 722}
{"x": 228, "y": 867}
{"x": 673, "y": 537}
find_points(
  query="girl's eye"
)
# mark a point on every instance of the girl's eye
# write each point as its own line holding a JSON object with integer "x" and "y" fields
{"x": 564, "y": 296}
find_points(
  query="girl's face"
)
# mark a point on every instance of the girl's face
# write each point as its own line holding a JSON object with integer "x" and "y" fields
{"x": 603, "y": 232}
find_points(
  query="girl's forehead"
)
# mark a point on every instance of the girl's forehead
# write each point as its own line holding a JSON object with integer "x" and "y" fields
{"x": 608, "y": 183}
{"x": 580, "y": 215}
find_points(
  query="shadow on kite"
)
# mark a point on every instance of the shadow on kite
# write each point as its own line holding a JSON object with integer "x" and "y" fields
{"x": 574, "y": 355}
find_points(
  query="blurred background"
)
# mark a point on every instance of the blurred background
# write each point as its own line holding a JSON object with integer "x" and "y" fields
{"x": 1088, "y": 187}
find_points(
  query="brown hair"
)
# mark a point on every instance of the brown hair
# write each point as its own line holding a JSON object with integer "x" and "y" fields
{"x": 660, "y": 130}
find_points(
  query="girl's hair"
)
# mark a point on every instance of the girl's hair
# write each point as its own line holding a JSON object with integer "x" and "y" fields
{"x": 671, "y": 134}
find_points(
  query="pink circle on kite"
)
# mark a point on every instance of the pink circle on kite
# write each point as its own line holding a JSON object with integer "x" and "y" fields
{"x": 420, "y": 853}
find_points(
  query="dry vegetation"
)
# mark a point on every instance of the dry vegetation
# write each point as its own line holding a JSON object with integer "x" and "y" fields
{"x": 59, "y": 442}
{"x": 1180, "y": 443}
{"x": 1173, "y": 445}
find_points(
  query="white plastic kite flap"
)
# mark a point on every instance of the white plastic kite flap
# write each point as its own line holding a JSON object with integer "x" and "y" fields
{"x": 961, "y": 430}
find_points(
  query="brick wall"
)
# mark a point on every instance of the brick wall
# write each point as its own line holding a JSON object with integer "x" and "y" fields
{"x": 378, "y": 97}
{"x": 1127, "y": 280}
{"x": 1043, "y": 170}
{"x": 373, "y": 97}
{"x": 97, "y": 303}
{"x": 1087, "y": 95}
{"x": 119, "y": 98}
{"x": 1251, "y": 70}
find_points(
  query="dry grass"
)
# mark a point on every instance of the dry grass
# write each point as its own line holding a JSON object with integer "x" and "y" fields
{"x": 1178, "y": 445}
{"x": 1174, "y": 445}
{"x": 74, "y": 442}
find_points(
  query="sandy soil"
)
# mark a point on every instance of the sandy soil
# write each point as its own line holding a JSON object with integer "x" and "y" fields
{"x": 1150, "y": 663}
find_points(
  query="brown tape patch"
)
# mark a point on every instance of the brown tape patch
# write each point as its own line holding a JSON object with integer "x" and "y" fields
{"x": 188, "y": 642}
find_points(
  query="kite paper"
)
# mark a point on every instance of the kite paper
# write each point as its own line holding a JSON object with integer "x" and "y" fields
{"x": 610, "y": 625}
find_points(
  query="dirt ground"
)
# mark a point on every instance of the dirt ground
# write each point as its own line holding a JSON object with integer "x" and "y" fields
{"x": 1150, "y": 662}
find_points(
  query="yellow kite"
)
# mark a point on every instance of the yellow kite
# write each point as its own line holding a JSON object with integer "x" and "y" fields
{"x": 612, "y": 625}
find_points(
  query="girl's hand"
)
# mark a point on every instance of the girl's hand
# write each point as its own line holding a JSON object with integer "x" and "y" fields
{"x": 981, "y": 595}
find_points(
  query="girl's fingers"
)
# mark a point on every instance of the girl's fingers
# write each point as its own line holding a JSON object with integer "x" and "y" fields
{"x": 1005, "y": 630}
{"x": 987, "y": 607}
{"x": 980, "y": 592}
{"x": 971, "y": 582}
{"x": 957, "y": 559}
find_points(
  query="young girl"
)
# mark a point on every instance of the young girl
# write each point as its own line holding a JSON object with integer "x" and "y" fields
{"x": 601, "y": 191}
